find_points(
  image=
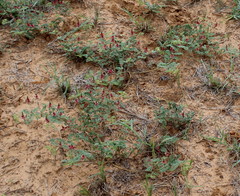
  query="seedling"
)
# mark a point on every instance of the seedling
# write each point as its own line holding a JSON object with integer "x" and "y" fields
{"x": 151, "y": 7}
{"x": 214, "y": 82}
{"x": 148, "y": 187}
{"x": 62, "y": 82}
{"x": 141, "y": 24}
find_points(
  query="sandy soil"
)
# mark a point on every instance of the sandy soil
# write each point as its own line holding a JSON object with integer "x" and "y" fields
{"x": 28, "y": 168}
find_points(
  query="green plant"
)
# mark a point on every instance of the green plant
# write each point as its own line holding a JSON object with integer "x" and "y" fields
{"x": 174, "y": 116}
{"x": 234, "y": 149}
{"x": 48, "y": 112}
{"x": 232, "y": 144}
{"x": 194, "y": 38}
{"x": 148, "y": 187}
{"x": 96, "y": 108}
{"x": 151, "y": 7}
{"x": 102, "y": 173}
{"x": 75, "y": 52}
{"x": 141, "y": 23}
{"x": 160, "y": 165}
{"x": 112, "y": 149}
{"x": 62, "y": 82}
{"x": 99, "y": 185}
{"x": 235, "y": 11}
{"x": 186, "y": 166}
{"x": 52, "y": 150}
{"x": 106, "y": 52}
{"x": 96, "y": 16}
{"x": 84, "y": 191}
{"x": 27, "y": 17}
{"x": 107, "y": 78}
{"x": 164, "y": 143}
{"x": 83, "y": 137}
{"x": 116, "y": 53}
{"x": 214, "y": 82}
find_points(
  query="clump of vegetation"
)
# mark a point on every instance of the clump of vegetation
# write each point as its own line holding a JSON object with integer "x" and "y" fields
{"x": 141, "y": 24}
{"x": 235, "y": 11}
{"x": 26, "y": 18}
{"x": 191, "y": 38}
{"x": 174, "y": 117}
{"x": 215, "y": 82}
{"x": 161, "y": 165}
{"x": 151, "y": 7}
{"x": 108, "y": 52}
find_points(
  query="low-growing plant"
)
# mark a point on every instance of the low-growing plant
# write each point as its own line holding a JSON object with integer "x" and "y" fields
{"x": 160, "y": 146}
{"x": 107, "y": 52}
{"x": 141, "y": 24}
{"x": 194, "y": 38}
{"x": 76, "y": 52}
{"x": 99, "y": 184}
{"x": 174, "y": 117}
{"x": 151, "y": 7}
{"x": 62, "y": 82}
{"x": 235, "y": 14}
{"x": 186, "y": 166}
{"x": 83, "y": 136}
{"x": 84, "y": 192}
{"x": 164, "y": 144}
{"x": 214, "y": 82}
{"x": 48, "y": 112}
{"x": 232, "y": 144}
{"x": 148, "y": 187}
{"x": 160, "y": 165}
{"x": 27, "y": 17}
{"x": 116, "y": 53}
{"x": 108, "y": 78}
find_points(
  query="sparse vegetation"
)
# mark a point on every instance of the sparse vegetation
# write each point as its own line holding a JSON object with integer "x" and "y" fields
{"x": 235, "y": 10}
{"x": 114, "y": 122}
{"x": 191, "y": 38}
{"x": 174, "y": 117}
{"x": 27, "y": 17}
{"x": 106, "y": 52}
